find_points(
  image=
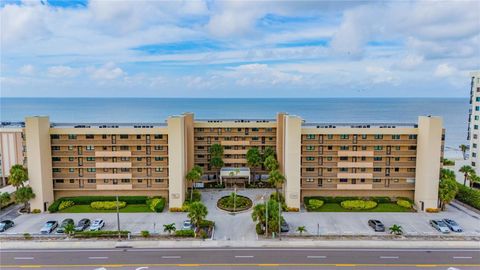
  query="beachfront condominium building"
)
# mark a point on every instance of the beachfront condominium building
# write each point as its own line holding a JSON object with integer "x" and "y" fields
{"x": 474, "y": 121}
{"x": 317, "y": 159}
{"x": 11, "y": 149}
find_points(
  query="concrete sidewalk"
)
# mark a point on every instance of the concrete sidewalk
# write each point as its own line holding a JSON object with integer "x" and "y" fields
{"x": 291, "y": 243}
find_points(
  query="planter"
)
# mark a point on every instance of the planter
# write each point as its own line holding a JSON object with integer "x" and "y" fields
{"x": 243, "y": 204}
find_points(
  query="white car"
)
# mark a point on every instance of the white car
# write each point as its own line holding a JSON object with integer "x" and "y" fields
{"x": 439, "y": 225}
{"x": 187, "y": 225}
{"x": 97, "y": 225}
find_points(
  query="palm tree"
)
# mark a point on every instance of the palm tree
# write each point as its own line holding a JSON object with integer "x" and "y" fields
{"x": 467, "y": 172}
{"x": 192, "y": 176}
{"x": 69, "y": 229}
{"x": 474, "y": 179}
{"x": 18, "y": 175}
{"x": 447, "y": 190}
{"x": 216, "y": 163}
{"x": 216, "y": 150}
{"x": 258, "y": 213}
{"x": 301, "y": 229}
{"x": 197, "y": 212}
{"x": 23, "y": 195}
{"x": 4, "y": 198}
{"x": 276, "y": 178}
{"x": 396, "y": 229}
{"x": 446, "y": 173}
{"x": 269, "y": 151}
{"x": 271, "y": 163}
{"x": 254, "y": 159}
{"x": 463, "y": 148}
{"x": 169, "y": 228}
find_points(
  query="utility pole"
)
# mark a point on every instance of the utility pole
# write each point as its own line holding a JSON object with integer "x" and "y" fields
{"x": 279, "y": 217}
{"x": 266, "y": 215}
{"x": 118, "y": 219}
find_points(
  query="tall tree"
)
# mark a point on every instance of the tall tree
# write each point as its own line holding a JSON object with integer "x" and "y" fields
{"x": 270, "y": 163}
{"x": 464, "y": 148}
{"x": 192, "y": 176}
{"x": 446, "y": 173}
{"x": 276, "y": 178}
{"x": 259, "y": 215}
{"x": 24, "y": 195}
{"x": 18, "y": 176}
{"x": 269, "y": 151}
{"x": 216, "y": 157}
{"x": 217, "y": 164}
{"x": 216, "y": 150}
{"x": 473, "y": 179}
{"x": 254, "y": 159}
{"x": 197, "y": 212}
{"x": 447, "y": 190}
{"x": 467, "y": 172}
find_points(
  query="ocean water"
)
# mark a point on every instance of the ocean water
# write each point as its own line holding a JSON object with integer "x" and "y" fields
{"x": 346, "y": 110}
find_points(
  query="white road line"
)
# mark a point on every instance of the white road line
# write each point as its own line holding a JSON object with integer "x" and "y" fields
{"x": 244, "y": 256}
{"x": 23, "y": 258}
{"x": 171, "y": 257}
{"x": 462, "y": 257}
{"x": 98, "y": 258}
{"x": 389, "y": 257}
{"x": 316, "y": 257}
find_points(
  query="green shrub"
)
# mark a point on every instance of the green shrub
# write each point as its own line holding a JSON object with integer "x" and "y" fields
{"x": 206, "y": 223}
{"x": 185, "y": 233}
{"x": 314, "y": 204}
{"x": 468, "y": 196}
{"x": 156, "y": 204}
{"x": 405, "y": 199}
{"x": 88, "y": 234}
{"x": 404, "y": 203}
{"x": 54, "y": 206}
{"x": 65, "y": 204}
{"x": 27, "y": 236}
{"x": 259, "y": 228}
{"x": 358, "y": 205}
{"x": 203, "y": 234}
{"x": 145, "y": 233}
{"x": 36, "y": 211}
{"x": 197, "y": 196}
{"x": 381, "y": 199}
{"x": 87, "y": 200}
{"x": 107, "y": 205}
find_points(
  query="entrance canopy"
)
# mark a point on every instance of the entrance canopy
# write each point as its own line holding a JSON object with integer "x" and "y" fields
{"x": 232, "y": 172}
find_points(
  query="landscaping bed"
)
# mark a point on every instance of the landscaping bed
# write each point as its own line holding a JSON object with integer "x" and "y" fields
{"x": 107, "y": 204}
{"x": 234, "y": 203}
{"x": 130, "y": 208}
{"x": 357, "y": 204}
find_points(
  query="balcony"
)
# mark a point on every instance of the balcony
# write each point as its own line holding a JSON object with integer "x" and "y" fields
{"x": 113, "y": 164}
{"x": 114, "y": 176}
{"x": 344, "y": 164}
{"x": 113, "y": 154}
{"x": 115, "y": 187}
{"x": 355, "y": 175}
{"x": 354, "y": 186}
{"x": 355, "y": 153}
{"x": 241, "y": 143}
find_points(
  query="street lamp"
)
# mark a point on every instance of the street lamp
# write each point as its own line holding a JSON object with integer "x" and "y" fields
{"x": 118, "y": 219}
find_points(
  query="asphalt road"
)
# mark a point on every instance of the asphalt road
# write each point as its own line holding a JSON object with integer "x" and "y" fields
{"x": 245, "y": 258}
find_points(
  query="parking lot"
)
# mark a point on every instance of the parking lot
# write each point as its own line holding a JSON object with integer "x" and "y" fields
{"x": 240, "y": 227}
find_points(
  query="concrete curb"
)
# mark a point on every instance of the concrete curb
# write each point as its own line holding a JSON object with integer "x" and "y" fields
{"x": 65, "y": 244}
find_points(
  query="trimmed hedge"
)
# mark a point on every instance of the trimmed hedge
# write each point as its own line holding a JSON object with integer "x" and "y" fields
{"x": 107, "y": 205}
{"x": 314, "y": 204}
{"x": 88, "y": 234}
{"x": 404, "y": 203}
{"x": 341, "y": 199}
{"x": 358, "y": 205}
{"x": 206, "y": 224}
{"x": 87, "y": 200}
{"x": 468, "y": 196}
{"x": 156, "y": 204}
{"x": 65, "y": 204}
{"x": 185, "y": 233}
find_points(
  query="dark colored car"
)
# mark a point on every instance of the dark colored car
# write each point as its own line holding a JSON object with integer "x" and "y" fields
{"x": 49, "y": 227}
{"x": 5, "y": 225}
{"x": 284, "y": 226}
{"x": 376, "y": 225}
{"x": 65, "y": 223}
{"x": 82, "y": 224}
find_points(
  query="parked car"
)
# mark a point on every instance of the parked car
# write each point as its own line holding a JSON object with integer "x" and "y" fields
{"x": 376, "y": 225}
{"x": 187, "y": 225}
{"x": 97, "y": 224}
{"x": 49, "y": 227}
{"x": 452, "y": 225}
{"x": 82, "y": 224}
{"x": 5, "y": 225}
{"x": 284, "y": 226}
{"x": 65, "y": 223}
{"x": 439, "y": 225}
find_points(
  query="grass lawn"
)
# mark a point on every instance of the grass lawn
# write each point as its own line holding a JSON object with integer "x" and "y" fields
{"x": 381, "y": 207}
{"x": 130, "y": 208}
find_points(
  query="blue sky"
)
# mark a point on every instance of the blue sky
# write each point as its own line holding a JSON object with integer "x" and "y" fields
{"x": 196, "y": 48}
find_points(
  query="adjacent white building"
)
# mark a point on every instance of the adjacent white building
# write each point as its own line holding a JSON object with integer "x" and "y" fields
{"x": 474, "y": 121}
{"x": 11, "y": 149}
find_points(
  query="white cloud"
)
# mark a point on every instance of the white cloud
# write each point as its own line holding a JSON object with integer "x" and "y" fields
{"x": 444, "y": 70}
{"x": 109, "y": 71}
{"x": 261, "y": 74}
{"x": 27, "y": 70}
{"x": 62, "y": 71}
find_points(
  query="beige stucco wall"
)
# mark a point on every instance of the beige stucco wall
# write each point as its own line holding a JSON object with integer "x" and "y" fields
{"x": 39, "y": 161}
{"x": 176, "y": 161}
{"x": 189, "y": 140}
{"x": 280, "y": 141}
{"x": 357, "y": 193}
{"x": 429, "y": 142}
{"x": 292, "y": 159}
{"x": 73, "y": 193}
{"x": 11, "y": 151}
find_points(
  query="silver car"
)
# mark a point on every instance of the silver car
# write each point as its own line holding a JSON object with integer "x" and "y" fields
{"x": 97, "y": 225}
{"x": 439, "y": 225}
{"x": 452, "y": 225}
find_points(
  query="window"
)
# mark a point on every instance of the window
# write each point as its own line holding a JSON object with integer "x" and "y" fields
{"x": 377, "y": 169}
{"x": 344, "y": 158}
{"x": 72, "y": 181}
{"x": 158, "y": 180}
{"x": 378, "y": 136}
{"x": 412, "y": 137}
{"x": 90, "y": 136}
{"x": 139, "y": 170}
{"x": 55, "y": 148}
{"x": 310, "y": 158}
{"x": 254, "y": 129}
{"x": 343, "y": 180}
{"x": 104, "y": 136}
{"x": 125, "y": 180}
{"x": 343, "y": 147}
{"x": 412, "y": 147}
{"x": 343, "y": 169}
{"x": 90, "y": 159}
{"x": 477, "y": 108}
{"x": 71, "y": 159}
{"x": 377, "y": 180}
{"x": 158, "y": 136}
{"x": 56, "y": 170}
{"x": 329, "y": 158}
{"x": 54, "y": 136}
{"x": 474, "y": 145}
{"x": 475, "y": 126}
{"x": 91, "y": 170}
{"x": 56, "y": 159}
{"x": 89, "y": 147}
{"x": 378, "y": 147}
{"x": 139, "y": 148}
{"x": 364, "y": 136}
{"x": 71, "y": 170}
{"x": 330, "y": 136}
{"x": 159, "y": 169}
{"x": 59, "y": 181}
{"x": 310, "y": 148}
{"x": 72, "y": 136}
{"x": 397, "y": 159}
{"x": 310, "y": 169}
{"x": 410, "y": 169}
{"x": 70, "y": 147}
{"x": 310, "y": 136}
{"x": 397, "y": 148}
{"x": 395, "y": 137}
{"x": 477, "y": 117}
{"x": 91, "y": 181}
{"x": 397, "y": 169}
{"x": 330, "y": 147}
{"x": 124, "y": 148}
{"x": 139, "y": 159}
{"x": 364, "y": 148}
{"x": 158, "y": 158}
{"x": 343, "y": 136}
{"x": 158, "y": 147}
{"x": 123, "y": 136}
